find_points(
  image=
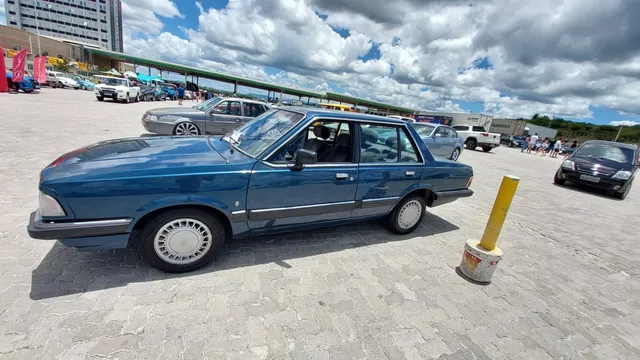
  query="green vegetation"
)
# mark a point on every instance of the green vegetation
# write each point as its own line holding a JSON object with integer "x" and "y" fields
{"x": 583, "y": 131}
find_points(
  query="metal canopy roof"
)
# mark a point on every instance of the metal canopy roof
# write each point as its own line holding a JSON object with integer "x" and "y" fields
{"x": 358, "y": 101}
{"x": 163, "y": 65}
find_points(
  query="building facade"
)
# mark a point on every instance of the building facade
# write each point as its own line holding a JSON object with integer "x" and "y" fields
{"x": 93, "y": 22}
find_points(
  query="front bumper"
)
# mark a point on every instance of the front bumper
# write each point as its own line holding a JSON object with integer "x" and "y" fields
{"x": 110, "y": 94}
{"x": 605, "y": 183}
{"x": 45, "y": 230}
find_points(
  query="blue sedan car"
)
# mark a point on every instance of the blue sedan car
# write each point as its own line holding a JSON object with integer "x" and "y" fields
{"x": 442, "y": 140}
{"x": 28, "y": 84}
{"x": 179, "y": 199}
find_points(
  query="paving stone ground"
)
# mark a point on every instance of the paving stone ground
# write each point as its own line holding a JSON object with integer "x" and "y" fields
{"x": 568, "y": 287}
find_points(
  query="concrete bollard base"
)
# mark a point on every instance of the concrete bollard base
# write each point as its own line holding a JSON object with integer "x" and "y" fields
{"x": 479, "y": 264}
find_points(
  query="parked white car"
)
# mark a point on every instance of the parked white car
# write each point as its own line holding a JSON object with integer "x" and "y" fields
{"x": 57, "y": 79}
{"x": 118, "y": 89}
{"x": 475, "y": 136}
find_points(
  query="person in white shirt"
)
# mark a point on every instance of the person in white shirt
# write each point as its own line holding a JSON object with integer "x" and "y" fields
{"x": 532, "y": 143}
{"x": 556, "y": 148}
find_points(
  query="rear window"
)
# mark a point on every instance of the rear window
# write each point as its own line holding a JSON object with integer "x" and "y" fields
{"x": 461, "y": 128}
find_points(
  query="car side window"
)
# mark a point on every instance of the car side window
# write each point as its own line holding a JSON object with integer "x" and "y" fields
{"x": 442, "y": 131}
{"x": 454, "y": 134}
{"x": 252, "y": 110}
{"x": 386, "y": 144}
{"x": 461, "y": 128}
{"x": 228, "y": 108}
{"x": 330, "y": 140}
{"x": 478, "y": 128}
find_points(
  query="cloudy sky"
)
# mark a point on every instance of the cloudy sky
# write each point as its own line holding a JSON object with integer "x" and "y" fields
{"x": 577, "y": 59}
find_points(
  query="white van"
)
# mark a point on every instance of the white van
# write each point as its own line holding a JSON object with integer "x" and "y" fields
{"x": 58, "y": 79}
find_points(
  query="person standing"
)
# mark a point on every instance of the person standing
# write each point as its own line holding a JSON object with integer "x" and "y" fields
{"x": 180, "y": 94}
{"x": 525, "y": 144}
{"x": 533, "y": 140}
{"x": 556, "y": 148}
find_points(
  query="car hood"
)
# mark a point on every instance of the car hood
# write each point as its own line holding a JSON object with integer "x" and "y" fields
{"x": 174, "y": 111}
{"x": 143, "y": 157}
{"x": 599, "y": 165}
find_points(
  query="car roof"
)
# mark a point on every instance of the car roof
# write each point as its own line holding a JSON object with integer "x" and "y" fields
{"x": 315, "y": 112}
{"x": 605, "y": 142}
{"x": 241, "y": 99}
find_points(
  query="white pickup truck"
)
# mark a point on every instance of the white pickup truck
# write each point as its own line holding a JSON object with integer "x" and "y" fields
{"x": 475, "y": 136}
{"x": 117, "y": 89}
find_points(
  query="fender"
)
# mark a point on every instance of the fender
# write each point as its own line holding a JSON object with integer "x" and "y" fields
{"x": 179, "y": 200}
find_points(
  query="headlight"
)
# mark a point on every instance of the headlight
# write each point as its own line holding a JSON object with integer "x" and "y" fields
{"x": 120, "y": 91}
{"x": 568, "y": 164}
{"x": 622, "y": 175}
{"x": 48, "y": 206}
{"x": 152, "y": 118}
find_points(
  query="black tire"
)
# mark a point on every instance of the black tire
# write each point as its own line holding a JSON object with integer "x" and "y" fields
{"x": 100, "y": 98}
{"x": 150, "y": 230}
{"x": 127, "y": 99}
{"x": 137, "y": 98}
{"x": 557, "y": 180}
{"x": 471, "y": 144}
{"x": 455, "y": 155}
{"x": 623, "y": 195}
{"x": 393, "y": 219}
{"x": 486, "y": 148}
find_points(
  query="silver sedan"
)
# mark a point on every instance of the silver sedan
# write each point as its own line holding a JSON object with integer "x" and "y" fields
{"x": 216, "y": 116}
{"x": 442, "y": 140}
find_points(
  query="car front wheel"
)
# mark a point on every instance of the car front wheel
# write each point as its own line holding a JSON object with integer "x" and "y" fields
{"x": 100, "y": 98}
{"x": 623, "y": 195}
{"x": 127, "y": 99}
{"x": 186, "y": 129}
{"x": 407, "y": 215}
{"x": 181, "y": 240}
{"x": 557, "y": 180}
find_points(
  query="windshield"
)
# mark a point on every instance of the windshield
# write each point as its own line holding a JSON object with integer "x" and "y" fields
{"x": 205, "y": 106}
{"x": 608, "y": 152}
{"x": 114, "y": 81}
{"x": 423, "y": 129}
{"x": 256, "y": 136}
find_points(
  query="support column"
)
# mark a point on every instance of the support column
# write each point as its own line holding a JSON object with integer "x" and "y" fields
{"x": 235, "y": 88}
{"x": 280, "y": 100}
{"x": 268, "y": 95}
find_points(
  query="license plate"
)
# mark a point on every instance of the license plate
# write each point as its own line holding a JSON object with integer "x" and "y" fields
{"x": 590, "y": 178}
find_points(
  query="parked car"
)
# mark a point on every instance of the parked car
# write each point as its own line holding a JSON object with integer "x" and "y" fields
{"x": 171, "y": 91}
{"x": 188, "y": 95}
{"x": 85, "y": 84}
{"x": 118, "y": 89}
{"x": 441, "y": 140}
{"x": 601, "y": 164}
{"x": 57, "y": 79}
{"x": 214, "y": 116}
{"x": 150, "y": 93}
{"x": 179, "y": 200}
{"x": 511, "y": 141}
{"x": 28, "y": 84}
{"x": 474, "y": 136}
{"x": 407, "y": 119}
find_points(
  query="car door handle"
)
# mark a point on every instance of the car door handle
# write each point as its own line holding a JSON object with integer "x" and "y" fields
{"x": 341, "y": 176}
{"x": 410, "y": 173}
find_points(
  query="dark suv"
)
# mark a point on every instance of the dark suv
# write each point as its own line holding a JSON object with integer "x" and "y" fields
{"x": 601, "y": 164}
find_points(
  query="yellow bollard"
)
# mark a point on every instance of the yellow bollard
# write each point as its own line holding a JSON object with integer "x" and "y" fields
{"x": 499, "y": 212}
{"x": 480, "y": 258}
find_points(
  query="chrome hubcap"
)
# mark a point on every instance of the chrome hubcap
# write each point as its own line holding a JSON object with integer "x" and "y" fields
{"x": 409, "y": 214}
{"x": 182, "y": 241}
{"x": 186, "y": 129}
{"x": 455, "y": 155}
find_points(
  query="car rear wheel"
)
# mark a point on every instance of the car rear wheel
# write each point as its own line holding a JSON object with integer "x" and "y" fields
{"x": 486, "y": 148}
{"x": 455, "y": 154}
{"x": 137, "y": 98}
{"x": 407, "y": 215}
{"x": 186, "y": 129}
{"x": 472, "y": 144}
{"x": 181, "y": 240}
{"x": 100, "y": 98}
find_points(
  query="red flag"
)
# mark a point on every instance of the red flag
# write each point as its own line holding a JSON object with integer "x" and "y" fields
{"x": 39, "y": 70}
{"x": 4, "y": 86}
{"x": 18, "y": 65}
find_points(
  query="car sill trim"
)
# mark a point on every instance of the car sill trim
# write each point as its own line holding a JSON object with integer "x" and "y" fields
{"x": 305, "y": 210}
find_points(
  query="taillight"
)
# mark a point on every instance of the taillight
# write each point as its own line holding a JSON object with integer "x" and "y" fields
{"x": 485, "y": 134}
{"x": 469, "y": 182}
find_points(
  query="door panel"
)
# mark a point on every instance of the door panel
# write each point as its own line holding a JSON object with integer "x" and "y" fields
{"x": 224, "y": 117}
{"x": 279, "y": 197}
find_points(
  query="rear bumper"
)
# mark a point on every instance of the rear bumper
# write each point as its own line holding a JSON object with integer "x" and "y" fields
{"x": 39, "y": 229}
{"x": 488, "y": 144}
{"x": 445, "y": 197}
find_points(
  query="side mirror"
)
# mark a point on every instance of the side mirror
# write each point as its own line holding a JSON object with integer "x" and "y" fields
{"x": 437, "y": 135}
{"x": 304, "y": 157}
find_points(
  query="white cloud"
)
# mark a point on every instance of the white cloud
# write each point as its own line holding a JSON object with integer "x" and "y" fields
{"x": 139, "y": 16}
{"x": 546, "y": 57}
{"x": 624, "y": 123}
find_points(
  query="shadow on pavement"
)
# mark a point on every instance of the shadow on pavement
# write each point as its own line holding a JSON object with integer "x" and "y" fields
{"x": 66, "y": 271}
{"x": 588, "y": 190}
